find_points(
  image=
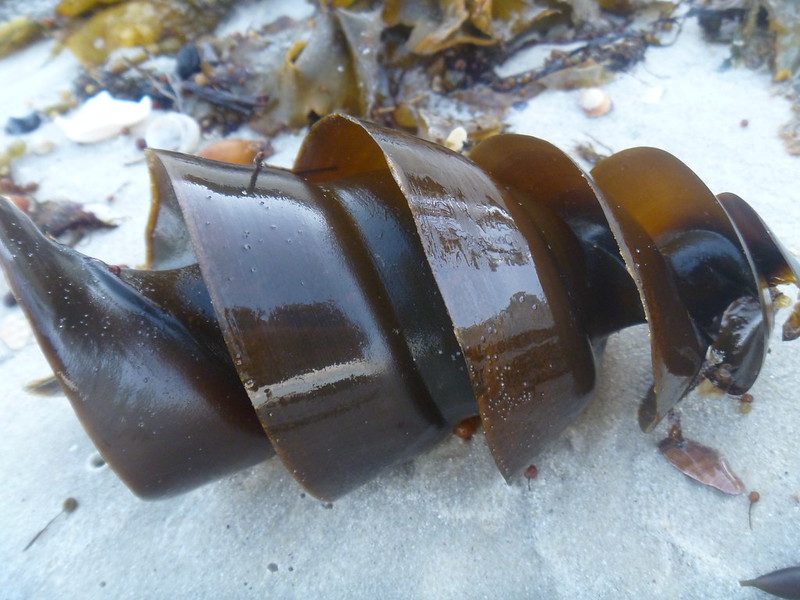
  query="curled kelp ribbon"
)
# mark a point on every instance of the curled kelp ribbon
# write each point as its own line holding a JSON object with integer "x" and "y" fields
{"x": 382, "y": 291}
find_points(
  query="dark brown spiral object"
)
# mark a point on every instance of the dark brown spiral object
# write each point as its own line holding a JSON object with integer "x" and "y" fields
{"x": 383, "y": 290}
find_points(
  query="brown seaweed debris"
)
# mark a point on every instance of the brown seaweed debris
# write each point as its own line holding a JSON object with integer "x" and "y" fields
{"x": 158, "y": 25}
{"x": 391, "y": 62}
{"x": 700, "y": 462}
{"x": 59, "y": 218}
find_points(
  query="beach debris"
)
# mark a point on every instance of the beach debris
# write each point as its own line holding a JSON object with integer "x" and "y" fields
{"x": 700, "y": 462}
{"x": 75, "y": 8}
{"x": 68, "y": 506}
{"x": 236, "y": 151}
{"x": 46, "y": 386}
{"x": 20, "y": 195}
{"x": 532, "y": 472}
{"x": 157, "y": 25}
{"x": 14, "y": 150}
{"x": 102, "y": 117}
{"x": 18, "y": 33}
{"x": 188, "y": 61}
{"x": 761, "y": 33}
{"x": 790, "y": 134}
{"x": 746, "y": 403}
{"x": 595, "y": 102}
{"x": 173, "y": 131}
{"x": 58, "y": 218}
{"x": 23, "y": 125}
{"x": 467, "y": 428}
{"x": 753, "y": 497}
{"x": 387, "y": 62}
{"x": 457, "y": 138}
{"x": 589, "y": 153}
{"x": 783, "y": 583}
{"x": 791, "y": 328}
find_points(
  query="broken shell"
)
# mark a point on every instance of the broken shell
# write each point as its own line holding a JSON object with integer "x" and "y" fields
{"x": 173, "y": 131}
{"x": 456, "y": 140}
{"x": 594, "y": 102}
{"x": 232, "y": 150}
{"x": 102, "y": 117}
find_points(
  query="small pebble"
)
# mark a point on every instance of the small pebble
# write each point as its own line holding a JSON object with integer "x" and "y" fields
{"x": 22, "y": 125}
{"x": 189, "y": 61}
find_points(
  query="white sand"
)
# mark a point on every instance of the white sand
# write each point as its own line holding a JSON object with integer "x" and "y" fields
{"x": 607, "y": 518}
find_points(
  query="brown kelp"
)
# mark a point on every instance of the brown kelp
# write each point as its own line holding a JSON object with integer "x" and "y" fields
{"x": 350, "y": 312}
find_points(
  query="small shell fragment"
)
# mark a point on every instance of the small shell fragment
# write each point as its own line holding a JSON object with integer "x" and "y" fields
{"x": 233, "y": 150}
{"x": 173, "y": 131}
{"x": 456, "y": 140}
{"x": 595, "y": 102}
{"x": 102, "y": 117}
{"x": 701, "y": 463}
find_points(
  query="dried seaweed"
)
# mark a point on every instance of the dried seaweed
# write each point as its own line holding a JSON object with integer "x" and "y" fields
{"x": 395, "y": 61}
{"x": 158, "y": 25}
{"x": 66, "y": 218}
{"x": 19, "y": 32}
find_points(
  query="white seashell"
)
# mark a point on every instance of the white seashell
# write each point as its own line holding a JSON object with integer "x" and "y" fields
{"x": 102, "y": 117}
{"x": 457, "y": 138}
{"x": 173, "y": 131}
{"x": 595, "y": 102}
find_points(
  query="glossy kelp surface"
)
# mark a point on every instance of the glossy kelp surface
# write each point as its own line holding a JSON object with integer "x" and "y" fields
{"x": 139, "y": 359}
{"x": 386, "y": 289}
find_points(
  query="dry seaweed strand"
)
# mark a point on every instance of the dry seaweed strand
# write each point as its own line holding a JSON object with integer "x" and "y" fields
{"x": 390, "y": 61}
{"x": 69, "y": 506}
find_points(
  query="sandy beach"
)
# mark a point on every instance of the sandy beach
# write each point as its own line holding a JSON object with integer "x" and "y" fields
{"x": 606, "y": 518}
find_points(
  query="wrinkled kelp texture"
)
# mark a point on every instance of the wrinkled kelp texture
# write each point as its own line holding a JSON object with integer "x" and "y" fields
{"x": 348, "y": 313}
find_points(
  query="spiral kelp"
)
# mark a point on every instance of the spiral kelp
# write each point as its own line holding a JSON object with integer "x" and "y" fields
{"x": 358, "y": 307}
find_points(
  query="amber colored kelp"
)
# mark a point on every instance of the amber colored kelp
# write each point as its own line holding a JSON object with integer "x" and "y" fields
{"x": 356, "y": 308}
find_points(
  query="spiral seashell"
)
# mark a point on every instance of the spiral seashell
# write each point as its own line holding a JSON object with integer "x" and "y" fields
{"x": 173, "y": 131}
